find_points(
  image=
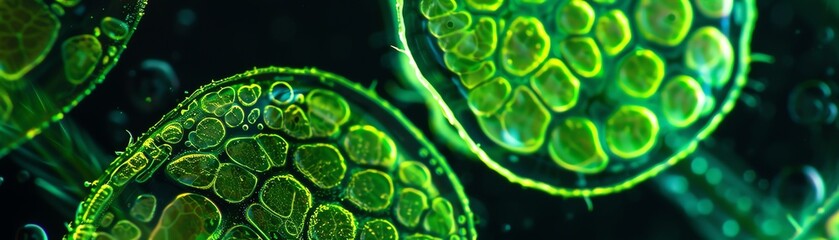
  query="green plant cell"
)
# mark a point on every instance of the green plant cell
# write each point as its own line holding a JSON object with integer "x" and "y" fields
{"x": 578, "y": 97}
{"x": 49, "y": 60}
{"x": 325, "y": 165}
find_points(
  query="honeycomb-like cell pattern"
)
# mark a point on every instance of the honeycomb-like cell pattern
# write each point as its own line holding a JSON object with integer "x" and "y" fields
{"x": 580, "y": 97}
{"x": 321, "y": 162}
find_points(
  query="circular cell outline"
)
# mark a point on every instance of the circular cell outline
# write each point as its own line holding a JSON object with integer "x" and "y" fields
{"x": 740, "y": 79}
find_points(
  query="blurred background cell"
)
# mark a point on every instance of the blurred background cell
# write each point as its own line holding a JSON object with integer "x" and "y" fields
{"x": 53, "y": 54}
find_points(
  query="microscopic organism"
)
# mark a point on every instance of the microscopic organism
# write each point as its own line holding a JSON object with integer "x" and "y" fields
{"x": 278, "y": 153}
{"x": 580, "y": 98}
{"x": 52, "y": 56}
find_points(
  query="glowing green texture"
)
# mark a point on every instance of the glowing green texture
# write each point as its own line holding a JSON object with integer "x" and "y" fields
{"x": 378, "y": 229}
{"x": 640, "y": 73}
{"x": 612, "y": 31}
{"x": 631, "y": 131}
{"x": 332, "y": 221}
{"x": 358, "y": 169}
{"x": 526, "y": 45}
{"x": 664, "y": 22}
{"x": 575, "y": 145}
{"x": 575, "y": 17}
{"x": 49, "y": 61}
{"x": 577, "y": 97}
{"x": 29, "y": 32}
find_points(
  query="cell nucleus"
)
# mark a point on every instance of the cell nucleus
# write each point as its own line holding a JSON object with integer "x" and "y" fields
{"x": 578, "y": 97}
{"x": 53, "y": 55}
{"x": 316, "y": 157}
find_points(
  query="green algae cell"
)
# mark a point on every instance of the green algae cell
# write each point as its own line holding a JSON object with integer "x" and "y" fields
{"x": 49, "y": 60}
{"x": 318, "y": 157}
{"x": 578, "y": 97}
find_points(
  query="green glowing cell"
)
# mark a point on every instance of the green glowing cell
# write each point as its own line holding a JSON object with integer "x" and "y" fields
{"x": 272, "y": 116}
{"x": 575, "y": 145}
{"x": 489, "y": 97}
{"x": 557, "y": 87}
{"x": 172, "y": 133}
{"x": 26, "y": 40}
{"x": 435, "y": 8}
{"x": 410, "y": 207}
{"x": 709, "y": 53}
{"x": 612, "y": 31}
{"x": 80, "y": 54}
{"x": 143, "y": 208}
{"x": 114, "y": 28}
{"x": 234, "y": 117}
{"x": 361, "y": 170}
{"x": 129, "y": 169}
{"x": 482, "y": 73}
{"x": 583, "y": 56}
{"x": 320, "y": 163}
{"x": 664, "y": 22}
{"x": 288, "y": 199}
{"x": 538, "y": 90}
{"x": 49, "y": 60}
{"x": 125, "y": 229}
{"x": 370, "y": 190}
{"x": 208, "y": 133}
{"x": 440, "y": 219}
{"x": 449, "y": 23}
{"x": 367, "y": 145}
{"x": 327, "y": 112}
{"x": 682, "y": 100}
{"x": 415, "y": 174}
{"x": 640, "y": 73}
{"x": 234, "y": 183}
{"x": 631, "y": 131}
{"x": 296, "y": 123}
{"x": 249, "y": 94}
{"x": 526, "y": 45}
{"x": 188, "y": 216}
{"x": 196, "y": 170}
{"x": 332, "y": 221}
{"x": 519, "y": 126}
{"x": 575, "y": 17}
{"x": 378, "y": 229}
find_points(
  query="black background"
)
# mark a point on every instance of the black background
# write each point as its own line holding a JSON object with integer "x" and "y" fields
{"x": 350, "y": 38}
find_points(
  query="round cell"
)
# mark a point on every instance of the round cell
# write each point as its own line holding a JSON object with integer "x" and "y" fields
{"x": 50, "y": 61}
{"x": 366, "y": 172}
{"x": 549, "y": 93}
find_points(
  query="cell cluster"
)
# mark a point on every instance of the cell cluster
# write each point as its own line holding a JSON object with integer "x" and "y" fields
{"x": 278, "y": 153}
{"x": 53, "y": 55}
{"x": 576, "y": 97}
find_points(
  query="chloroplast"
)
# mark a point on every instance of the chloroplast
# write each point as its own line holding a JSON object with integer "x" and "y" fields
{"x": 318, "y": 157}
{"x": 54, "y": 53}
{"x": 577, "y": 97}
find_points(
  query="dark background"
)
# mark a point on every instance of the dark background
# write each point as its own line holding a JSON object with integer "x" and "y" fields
{"x": 204, "y": 40}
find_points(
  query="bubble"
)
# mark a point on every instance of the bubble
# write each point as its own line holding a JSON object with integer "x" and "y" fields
{"x": 798, "y": 188}
{"x": 186, "y": 17}
{"x": 31, "y": 232}
{"x": 152, "y": 86}
{"x": 810, "y": 103}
